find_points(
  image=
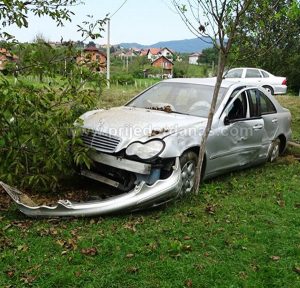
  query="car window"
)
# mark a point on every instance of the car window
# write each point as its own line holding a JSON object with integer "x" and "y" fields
{"x": 235, "y": 73}
{"x": 253, "y": 103}
{"x": 266, "y": 105}
{"x": 265, "y": 74}
{"x": 253, "y": 73}
{"x": 238, "y": 109}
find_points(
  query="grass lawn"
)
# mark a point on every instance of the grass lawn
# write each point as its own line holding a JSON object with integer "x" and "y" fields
{"x": 242, "y": 230}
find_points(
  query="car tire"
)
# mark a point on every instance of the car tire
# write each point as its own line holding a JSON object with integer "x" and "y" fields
{"x": 269, "y": 89}
{"x": 188, "y": 164}
{"x": 274, "y": 151}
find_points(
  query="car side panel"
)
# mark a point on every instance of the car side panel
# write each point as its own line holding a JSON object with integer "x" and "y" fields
{"x": 271, "y": 127}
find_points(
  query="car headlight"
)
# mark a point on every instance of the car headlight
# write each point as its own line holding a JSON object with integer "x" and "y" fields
{"x": 146, "y": 150}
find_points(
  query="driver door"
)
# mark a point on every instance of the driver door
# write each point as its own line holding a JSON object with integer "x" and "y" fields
{"x": 237, "y": 140}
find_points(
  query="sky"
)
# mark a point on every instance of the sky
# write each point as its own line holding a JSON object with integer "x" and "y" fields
{"x": 142, "y": 21}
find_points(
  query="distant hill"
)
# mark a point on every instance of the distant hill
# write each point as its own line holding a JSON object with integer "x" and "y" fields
{"x": 181, "y": 46}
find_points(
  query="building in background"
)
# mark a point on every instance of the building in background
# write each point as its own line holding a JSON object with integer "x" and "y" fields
{"x": 6, "y": 57}
{"x": 165, "y": 64}
{"x": 194, "y": 58}
{"x": 93, "y": 57}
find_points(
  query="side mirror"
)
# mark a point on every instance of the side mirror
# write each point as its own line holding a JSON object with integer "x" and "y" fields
{"x": 226, "y": 121}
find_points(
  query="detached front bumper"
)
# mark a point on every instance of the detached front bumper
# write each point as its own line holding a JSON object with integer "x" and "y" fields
{"x": 142, "y": 196}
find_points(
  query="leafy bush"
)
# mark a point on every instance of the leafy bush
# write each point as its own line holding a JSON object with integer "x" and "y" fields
{"x": 138, "y": 74}
{"x": 36, "y": 147}
{"x": 122, "y": 78}
{"x": 180, "y": 69}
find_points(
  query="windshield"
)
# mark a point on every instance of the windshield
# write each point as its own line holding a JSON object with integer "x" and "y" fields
{"x": 182, "y": 98}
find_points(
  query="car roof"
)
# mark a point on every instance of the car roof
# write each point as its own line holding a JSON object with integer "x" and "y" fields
{"x": 205, "y": 81}
{"x": 247, "y": 68}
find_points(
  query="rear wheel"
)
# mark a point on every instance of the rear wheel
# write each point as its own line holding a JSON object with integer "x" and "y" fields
{"x": 188, "y": 163}
{"x": 269, "y": 89}
{"x": 275, "y": 150}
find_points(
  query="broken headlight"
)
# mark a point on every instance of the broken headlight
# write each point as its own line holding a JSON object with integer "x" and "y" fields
{"x": 146, "y": 150}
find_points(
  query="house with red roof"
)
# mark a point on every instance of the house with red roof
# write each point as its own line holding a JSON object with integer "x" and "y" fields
{"x": 94, "y": 56}
{"x": 154, "y": 53}
{"x": 6, "y": 57}
{"x": 168, "y": 53}
{"x": 165, "y": 64}
{"x": 144, "y": 52}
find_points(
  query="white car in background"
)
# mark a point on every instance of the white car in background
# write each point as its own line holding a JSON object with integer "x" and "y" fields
{"x": 273, "y": 84}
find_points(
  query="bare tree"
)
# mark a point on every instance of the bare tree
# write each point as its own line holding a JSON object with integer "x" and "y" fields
{"x": 216, "y": 21}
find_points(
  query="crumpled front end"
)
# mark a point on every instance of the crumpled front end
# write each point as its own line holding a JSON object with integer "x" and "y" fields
{"x": 142, "y": 196}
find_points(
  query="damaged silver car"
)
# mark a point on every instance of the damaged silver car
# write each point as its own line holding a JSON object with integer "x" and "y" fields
{"x": 148, "y": 148}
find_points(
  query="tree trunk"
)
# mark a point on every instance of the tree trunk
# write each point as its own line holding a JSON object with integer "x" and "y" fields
{"x": 220, "y": 71}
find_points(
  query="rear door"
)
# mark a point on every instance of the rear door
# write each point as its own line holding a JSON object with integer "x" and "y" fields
{"x": 253, "y": 76}
{"x": 268, "y": 113}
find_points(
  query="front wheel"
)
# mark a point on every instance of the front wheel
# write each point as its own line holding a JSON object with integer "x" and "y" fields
{"x": 188, "y": 163}
{"x": 274, "y": 151}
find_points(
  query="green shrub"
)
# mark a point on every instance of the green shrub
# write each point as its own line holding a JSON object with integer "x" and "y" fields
{"x": 122, "y": 78}
{"x": 36, "y": 148}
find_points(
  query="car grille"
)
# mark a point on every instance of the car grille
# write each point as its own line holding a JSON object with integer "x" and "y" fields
{"x": 100, "y": 141}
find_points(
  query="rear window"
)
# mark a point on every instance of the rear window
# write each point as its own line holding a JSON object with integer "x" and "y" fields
{"x": 266, "y": 106}
{"x": 265, "y": 74}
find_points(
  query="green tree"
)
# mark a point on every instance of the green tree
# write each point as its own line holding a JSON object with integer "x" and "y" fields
{"x": 209, "y": 56}
{"x": 38, "y": 56}
{"x": 181, "y": 69}
{"x": 35, "y": 133}
{"x": 137, "y": 66}
{"x": 270, "y": 39}
{"x": 36, "y": 146}
{"x": 15, "y": 12}
{"x": 91, "y": 44}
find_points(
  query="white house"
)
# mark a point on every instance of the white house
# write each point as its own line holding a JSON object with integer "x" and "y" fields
{"x": 155, "y": 53}
{"x": 166, "y": 52}
{"x": 193, "y": 58}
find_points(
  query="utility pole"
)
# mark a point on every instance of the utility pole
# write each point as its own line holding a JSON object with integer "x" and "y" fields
{"x": 108, "y": 54}
{"x": 108, "y": 46}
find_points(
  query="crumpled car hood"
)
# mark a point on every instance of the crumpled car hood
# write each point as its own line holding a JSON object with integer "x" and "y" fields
{"x": 137, "y": 124}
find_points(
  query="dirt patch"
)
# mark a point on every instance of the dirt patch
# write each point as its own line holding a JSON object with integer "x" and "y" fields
{"x": 51, "y": 198}
{"x": 82, "y": 191}
{"x": 289, "y": 159}
{"x": 5, "y": 200}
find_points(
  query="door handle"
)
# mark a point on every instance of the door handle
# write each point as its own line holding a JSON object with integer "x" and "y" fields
{"x": 258, "y": 126}
{"x": 275, "y": 120}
